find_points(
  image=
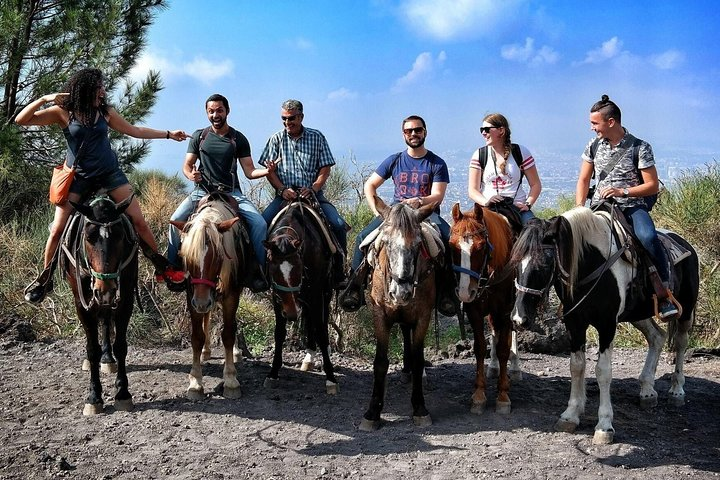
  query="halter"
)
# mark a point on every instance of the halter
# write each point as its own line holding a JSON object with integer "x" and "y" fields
{"x": 295, "y": 235}
{"x": 416, "y": 278}
{"x": 488, "y": 254}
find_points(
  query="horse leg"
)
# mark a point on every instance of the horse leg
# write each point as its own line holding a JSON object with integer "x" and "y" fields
{"x": 94, "y": 401}
{"x": 280, "y": 332}
{"x": 308, "y": 362}
{"x": 406, "y": 372}
{"x": 421, "y": 416}
{"x": 503, "y": 331}
{"x": 323, "y": 340}
{"x": 570, "y": 418}
{"x": 680, "y": 339}
{"x": 108, "y": 363}
{"x": 477, "y": 322}
{"x": 371, "y": 418}
{"x": 655, "y": 337}
{"x": 493, "y": 367}
{"x": 604, "y": 431}
{"x": 206, "y": 353}
{"x": 196, "y": 390}
{"x": 515, "y": 370}
{"x": 231, "y": 386}
{"x": 123, "y": 398}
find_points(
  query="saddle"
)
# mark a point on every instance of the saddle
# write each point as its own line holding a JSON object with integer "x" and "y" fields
{"x": 232, "y": 206}
{"x": 431, "y": 240}
{"x": 509, "y": 211}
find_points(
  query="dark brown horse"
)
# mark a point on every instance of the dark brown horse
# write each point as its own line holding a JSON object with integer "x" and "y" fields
{"x": 481, "y": 241}
{"x": 402, "y": 292}
{"x": 213, "y": 255}
{"x": 299, "y": 266}
{"x": 99, "y": 261}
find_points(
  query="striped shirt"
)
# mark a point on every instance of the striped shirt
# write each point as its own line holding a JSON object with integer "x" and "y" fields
{"x": 301, "y": 158}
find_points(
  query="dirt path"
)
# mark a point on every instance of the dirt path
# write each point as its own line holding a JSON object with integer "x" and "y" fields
{"x": 298, "y": 431}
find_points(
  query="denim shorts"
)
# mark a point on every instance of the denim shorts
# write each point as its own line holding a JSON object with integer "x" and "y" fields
{"x": 110, "y": 181}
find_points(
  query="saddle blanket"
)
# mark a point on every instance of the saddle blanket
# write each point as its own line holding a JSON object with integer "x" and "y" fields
{"x": 676, "y": 252}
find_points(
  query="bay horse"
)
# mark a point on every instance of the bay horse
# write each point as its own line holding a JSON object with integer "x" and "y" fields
{"x": 213, "y": 252}
{"x": 299, "y": 268}
{"x": 99, "y": 261}
{"x": 480, "y": 242}
{"x": 402, "y": 292}
{"x": 578, "y": 254}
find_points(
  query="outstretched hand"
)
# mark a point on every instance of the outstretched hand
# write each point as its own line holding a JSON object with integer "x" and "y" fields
{"x": 178, "y": 135}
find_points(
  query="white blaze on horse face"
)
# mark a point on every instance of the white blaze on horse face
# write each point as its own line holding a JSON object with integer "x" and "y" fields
{"x": 465, "y": 258}
{"x": 401, "y": 267}
{"x": 104, "y": 232}
{"x": 516, "y": 315}
{"x": 286, "y": 269}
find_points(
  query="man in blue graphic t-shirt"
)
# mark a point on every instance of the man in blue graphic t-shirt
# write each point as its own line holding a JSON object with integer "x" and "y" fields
{"x": 420, "y": 177}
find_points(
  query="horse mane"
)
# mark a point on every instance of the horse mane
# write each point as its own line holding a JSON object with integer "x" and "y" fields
{"x": 500, "y": 237}
{"x": 202, "y": 227}
{"x": 529, "y": 243}
{"x": 402, "y": 218}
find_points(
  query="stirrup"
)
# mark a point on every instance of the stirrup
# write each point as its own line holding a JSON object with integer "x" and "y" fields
{"x": 666, "y": 314}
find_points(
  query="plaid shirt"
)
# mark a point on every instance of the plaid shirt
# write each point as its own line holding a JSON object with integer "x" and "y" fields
{"x": 302, "y": 158}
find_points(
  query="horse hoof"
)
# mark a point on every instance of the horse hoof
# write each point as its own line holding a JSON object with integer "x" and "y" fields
{"x": 306, "y": 366}
{"x": 92, "y": 409}
{"x": 195, "y": 394}
{"x": 271, "y": 382}
{"x": 478, "y": 408}
{"x": 86, "y": 365}
{"x": 565, "y": 426}
{"x": 124, "y": 405}
{"x": 492, "y": 372}
{"x": 516, "y": 375}
{"x": 231, "y": 393}
{"x": 108, "y": 368}
{"x": 369, "y": 425}
{"x": 502, "y": 408}
{"x": 603, "y": 437}
{"x": 647, "y": 403}
{"x": 332, "y": 388}
{"x": 424, "y": 421}
{"x": 676, "y": 400}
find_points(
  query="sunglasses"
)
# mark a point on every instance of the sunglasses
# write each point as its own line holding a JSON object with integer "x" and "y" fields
{"x": 486, "y": 129}
{"x": 416, "y": 130}
{"x": 289, "y": 118}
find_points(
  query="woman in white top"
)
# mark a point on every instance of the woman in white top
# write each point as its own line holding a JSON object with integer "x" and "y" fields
{"x": 497, "y": 169}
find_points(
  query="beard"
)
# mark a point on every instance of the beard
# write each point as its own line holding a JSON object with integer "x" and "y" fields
{"x": 219, "y": 123}
{"x": 415, "y": 142}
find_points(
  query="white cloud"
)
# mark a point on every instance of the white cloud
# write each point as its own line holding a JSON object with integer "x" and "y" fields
{"x": 448, "y": 19}
{"x": 529, "y": 54}
{"x": 342, "y": 94}
{"x": 608, "y": 50}
{"x": 204, "y": 70}
{"x": 668, "y": 60}
{"x": 423, "y": 67}
{"x": 301, "y": 43}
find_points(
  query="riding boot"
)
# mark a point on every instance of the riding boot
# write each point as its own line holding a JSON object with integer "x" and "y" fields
{"x": 338, "y": 267}
{"x": 666, "y": 309}
{"x": 447, "y": 303}
{"x": 164, "y": 271}
{"x": 353, "y": 297}
{"x": 41, "y": 286}
{"x": 256, "y": 278}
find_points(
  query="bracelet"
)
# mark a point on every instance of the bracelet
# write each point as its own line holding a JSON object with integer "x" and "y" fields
{"x": 167, "y": 137}
{"x": 281, "y": 191}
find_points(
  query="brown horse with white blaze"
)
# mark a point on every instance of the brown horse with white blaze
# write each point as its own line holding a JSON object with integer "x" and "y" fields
{"x": 481, "y": 242}
{"x": 213, "y": 254}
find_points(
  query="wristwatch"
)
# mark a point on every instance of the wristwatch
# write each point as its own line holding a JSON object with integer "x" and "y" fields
{"x": 626, "y": 192}
{"x": 528, "y": 205}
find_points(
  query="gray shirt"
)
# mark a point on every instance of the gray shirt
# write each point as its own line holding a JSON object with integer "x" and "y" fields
{"x": 625, "y": 174}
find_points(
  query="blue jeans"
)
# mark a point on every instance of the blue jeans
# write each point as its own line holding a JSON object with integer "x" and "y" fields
{"x": 256, "y": 225}
{"x": 645, "y": 231}
{"x": 358, "y": 255}
{"x": 526, "y": 216}
{"x": 337, "y": 223}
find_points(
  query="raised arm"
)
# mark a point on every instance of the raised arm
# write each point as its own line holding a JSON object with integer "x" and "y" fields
{"x": 119, "y": 124}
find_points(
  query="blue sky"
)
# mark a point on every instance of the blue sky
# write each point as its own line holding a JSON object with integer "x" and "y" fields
{"x": 360, "y": 67}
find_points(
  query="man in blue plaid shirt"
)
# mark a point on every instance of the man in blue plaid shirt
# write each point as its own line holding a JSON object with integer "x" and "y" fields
{"x": 303, "y": 160}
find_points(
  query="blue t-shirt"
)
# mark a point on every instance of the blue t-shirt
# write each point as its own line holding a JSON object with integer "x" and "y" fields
{"x": 413, "y": 177}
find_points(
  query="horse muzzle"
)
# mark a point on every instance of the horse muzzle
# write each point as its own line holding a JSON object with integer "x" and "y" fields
{"x": 105, "y": 293}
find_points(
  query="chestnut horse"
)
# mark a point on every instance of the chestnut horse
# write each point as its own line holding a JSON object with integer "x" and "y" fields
{"x": 99, "y": 260}
{"x": 402, "y": 292}
{"x": 212, "y": 249}
{"x": 299, "y": 265}
{"x": 481, "y": 241}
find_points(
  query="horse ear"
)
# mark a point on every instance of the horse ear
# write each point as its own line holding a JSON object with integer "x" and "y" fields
{"x": 179, "y": 225}
{"x": 457, "y": 214}
{"x": 227, "y": 224}
{"x": 85, "y": 210}
{"x": 478, "y": 210}
{"x": 122, "y": 206}
{"x": 381, "y": 207}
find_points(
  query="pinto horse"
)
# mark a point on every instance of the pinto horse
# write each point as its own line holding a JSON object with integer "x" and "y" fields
{"x": 99, "y": 260}
{"x": 579, "y": 255}
{"x": 212, "y": 249}
{"x": 481, "y": 241}
{"x": 299, "y": 265}
{"x": 402, "y": 292}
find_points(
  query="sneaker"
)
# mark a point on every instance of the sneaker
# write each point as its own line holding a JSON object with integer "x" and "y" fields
{"x": 667, "y": 310}
{"x": 352, "y": 299}
{"x": 36, "y": 291}
{"x": 170, "y": 275}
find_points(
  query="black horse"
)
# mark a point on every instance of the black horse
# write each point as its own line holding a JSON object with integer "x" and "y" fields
{"x": 99, "y": 261}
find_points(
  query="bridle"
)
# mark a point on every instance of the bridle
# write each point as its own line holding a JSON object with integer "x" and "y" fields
{"x": 293, "y": 234}
{"x": 417, "y": 277}
{"x": 483, "y": 281}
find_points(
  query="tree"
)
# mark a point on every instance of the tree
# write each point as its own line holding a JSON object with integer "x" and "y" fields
{"x": 42, "y": 43}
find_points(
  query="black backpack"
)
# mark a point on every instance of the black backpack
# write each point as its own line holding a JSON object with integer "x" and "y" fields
{"x": 650, "y": 200}
{"x": 516, "y": 154}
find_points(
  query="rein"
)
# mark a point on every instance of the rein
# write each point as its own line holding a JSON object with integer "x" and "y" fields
{"x": 487, "y": 280}
{"x": 294, "y": 235}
